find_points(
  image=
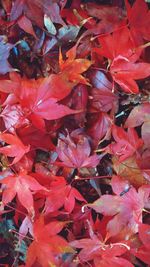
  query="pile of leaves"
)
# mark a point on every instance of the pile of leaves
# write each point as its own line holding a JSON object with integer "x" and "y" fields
{"x": 74, "y": 133}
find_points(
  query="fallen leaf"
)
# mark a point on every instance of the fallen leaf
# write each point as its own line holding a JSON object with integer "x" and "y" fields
{"x": 110, "y": 17}
{"x": 123, "y": 59}
{"x": 23, "y": 186}
{"x": 138, "y": 26}
{"x": 62, "y": 195}
{"x": 126, "y": 143}
{"x": 74, "y": 151}
{"x": 125, "y": 73}
{"x": 39, "y": 100}
{"x": 102, "y": 254}
{"x": 126, "y": 208}
{"x": 45, "y": 246}
{"x": 73, "y": 68}
{"x": 16, "y": 149}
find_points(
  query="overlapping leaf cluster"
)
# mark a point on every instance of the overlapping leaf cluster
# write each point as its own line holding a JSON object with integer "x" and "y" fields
{"x": 74, "y": 133}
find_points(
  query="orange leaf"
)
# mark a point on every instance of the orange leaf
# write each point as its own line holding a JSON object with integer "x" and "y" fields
{"x": 73, "y": 68}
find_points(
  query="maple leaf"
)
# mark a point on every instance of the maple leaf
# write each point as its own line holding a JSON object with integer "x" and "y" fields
{"x": 126, "y": 144}
{"x": 143, "y": 251}
{"x": 72, "y": 68}
{"x": 111, "y": 48}
{"x": 16, "y": 149}
{"x": 4, "y": 54}
{"x": 39, "y": 99}
{"x": 62, "y": 195}
{"x": 23, "y": 186}
{"x": 139, "y": 27}
{"x": 103, "y": 255}
{"x": 124, "y": 65}
{"x": 140, "y": 115}
{"x": 126, "y": 206}
{"x": 74, "y": 151}
{"x": 110, "y": 17}
{"x": 125, "y": 73}
{"x": 47, "y": 245}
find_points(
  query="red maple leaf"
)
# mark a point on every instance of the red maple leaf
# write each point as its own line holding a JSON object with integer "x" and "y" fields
{"x": 47, "y": 245}
{"x": 23, "y": 186}
{"x": 125, "y": 73}
{"x": 16, "y": 149}
{"x": 126, "y": 143}
{"x": 74, "y": 151}
{"x": 139, "y": 27}
{"x": 102, "y": 254}
{"x": 126, "y": 206}
{"x": 109, "y": 17}
{"x": 39, "y": 99}
{"x": 111, "y": 48}
{"x": 62, "y": 195}
{"x": 123, "y": 59}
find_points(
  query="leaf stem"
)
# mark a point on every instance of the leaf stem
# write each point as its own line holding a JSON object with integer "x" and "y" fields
{"x": 19, "y": 234}
{"x": 89, "y": 178}
{"x": 7, "y": 205}
{"x": 147, "y": 211}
